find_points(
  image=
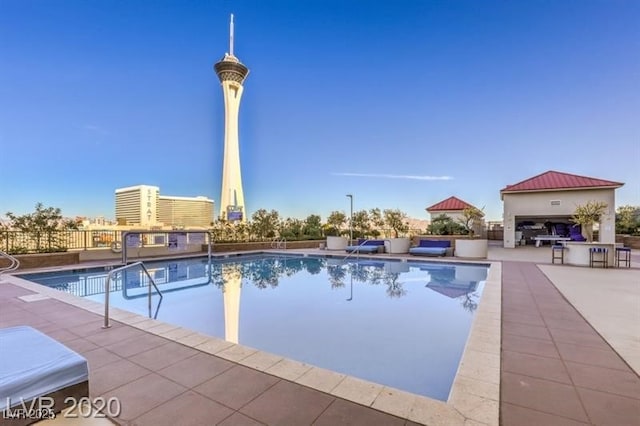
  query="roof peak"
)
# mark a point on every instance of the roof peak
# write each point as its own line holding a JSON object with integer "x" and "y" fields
{"x": 555, "y": 180}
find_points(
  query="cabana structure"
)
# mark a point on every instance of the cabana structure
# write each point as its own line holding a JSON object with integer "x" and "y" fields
{"x": 538, "y": 209}
{"x": 452, "y": 207}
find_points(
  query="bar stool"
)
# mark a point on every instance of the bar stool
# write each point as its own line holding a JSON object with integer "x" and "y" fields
{"x": 604, "y": 260}
{"x": 623, "y": 254}
{"x": 557, "y": 253}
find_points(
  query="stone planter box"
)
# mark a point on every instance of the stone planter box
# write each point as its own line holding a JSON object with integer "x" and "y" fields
{"x": 397, "y": 245}
{"x": 472, "y": 249}
{"x": 336, "y": 243}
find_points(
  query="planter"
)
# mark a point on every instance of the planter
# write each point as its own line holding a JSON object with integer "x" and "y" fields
{"x": 397, "y": 245}
{"x": 473, "y": 249}
{"x": 336, "y": 243}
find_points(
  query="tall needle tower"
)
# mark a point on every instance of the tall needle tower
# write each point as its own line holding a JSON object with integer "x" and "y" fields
{"x": 232, "y": 74}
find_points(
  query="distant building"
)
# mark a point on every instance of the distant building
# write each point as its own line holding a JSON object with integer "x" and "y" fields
{"x": 137, "y": 205}
{"x": 185, "y": 212}
{"x": 143, "y": 206}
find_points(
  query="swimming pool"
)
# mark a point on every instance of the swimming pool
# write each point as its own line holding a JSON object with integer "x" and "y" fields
{"x": 400, "y": 324}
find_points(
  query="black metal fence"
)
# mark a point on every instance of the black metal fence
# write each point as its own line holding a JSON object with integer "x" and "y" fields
{"x": 19, "y": 242}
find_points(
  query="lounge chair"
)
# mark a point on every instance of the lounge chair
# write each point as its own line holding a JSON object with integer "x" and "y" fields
{"x": 367, "y": 246}
{"x": 432, "y": 248}
{"x": 35, "y": 366}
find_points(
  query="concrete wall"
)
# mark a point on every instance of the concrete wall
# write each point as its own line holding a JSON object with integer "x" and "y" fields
{"x": 540, "y": 204}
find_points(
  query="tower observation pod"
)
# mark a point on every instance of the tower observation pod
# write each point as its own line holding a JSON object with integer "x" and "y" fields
{"x": 232, "y": 74}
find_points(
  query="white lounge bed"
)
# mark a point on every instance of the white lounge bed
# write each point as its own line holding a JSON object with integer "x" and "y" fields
{"x": 34, "y": 365}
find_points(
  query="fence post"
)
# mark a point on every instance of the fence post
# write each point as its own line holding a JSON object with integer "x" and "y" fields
{"x": 85, "y": 239}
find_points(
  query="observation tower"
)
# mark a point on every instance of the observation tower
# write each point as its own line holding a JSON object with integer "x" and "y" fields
{"x": 232, "y": 74}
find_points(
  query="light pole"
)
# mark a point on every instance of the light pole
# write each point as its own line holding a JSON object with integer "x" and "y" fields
{"x": 350, "y": 218}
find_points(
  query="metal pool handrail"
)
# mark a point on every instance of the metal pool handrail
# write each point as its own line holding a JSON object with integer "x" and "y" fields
{"x": 14, "y": 263}
{"x": 279, "y": 243}
{"x": 356, "y": 251}
{"x": 107, "y": 289}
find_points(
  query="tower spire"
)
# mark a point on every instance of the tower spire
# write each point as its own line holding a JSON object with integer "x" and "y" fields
{"x": 231, "y": 36}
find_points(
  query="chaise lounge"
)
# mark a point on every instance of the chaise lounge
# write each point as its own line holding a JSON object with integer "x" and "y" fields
{"x": 367, "y": 246}
{"x": 432, "y": 248}
{"x": 38, "y": 368}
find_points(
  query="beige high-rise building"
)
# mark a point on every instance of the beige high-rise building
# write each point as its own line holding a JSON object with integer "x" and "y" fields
{"x": 232, "y": 74}
{"x": 137, "y": 205}
{"x": 187, "y": 212}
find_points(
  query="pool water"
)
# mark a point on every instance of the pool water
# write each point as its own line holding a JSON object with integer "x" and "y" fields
{"x": 400, "y": 324}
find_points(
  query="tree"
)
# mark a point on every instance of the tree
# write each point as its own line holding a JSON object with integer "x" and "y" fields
{"x": 264, "y": 224}
{"x": 312, "y": 226}
{"x": 396, "y": 220}
{"x": 471, "y": 218}
{"x": 444, "y": 225}
{"x": 628, "y": 220}
{"x": 377, "y": 221}
{"x": 292, "y": 229}
{"x": 361, "y": 227}
{"x": 335, "y": 222}
{"x": 586, "y": 215}
{"x": 41, "y": 226}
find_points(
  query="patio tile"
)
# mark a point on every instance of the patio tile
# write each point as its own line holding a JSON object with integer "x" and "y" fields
{"x": 289, "y": 369}
{"x": 431, "y": 412}
{"x": 91, "y": 328}
{"x": 195, "y": 370}
{"x": 592, "y": 356}
{"x": 535, "y": 366}
{"x": 239, "y": 419}
{"x": 187, "y": 409}
{"x": 394, "y": 401}
{"x": 356, "y": 390}
{"x": 520, "y": 318}
{"x": 342, "y": 412}
{"x": 579, "y": 325}
{"x": 163, "y": 356}
{"x": 525, "y": 330}
{"x": 236, "y": 386}
{"x": 608, "y": 409}
{"x": 591, "y": 338}
{"x": 81, "y": 345}
{"x": 270, "y": 406}
{"x": 260, "y": 361}
{"x": 136, "y": 345}
{"x": 321, "y": 379}
{"x": 528, "y": 345}
{"x": 514, "y": 415}
{"x": 110, "y": 336}
{"x": 542, "y": 395}
{"x": 100, "y": 357}
{"x": 144, "y": 394}
{"x": 618, "y": 382}
{"x": 62, "y": 335}
{"x": 114, "y": 375}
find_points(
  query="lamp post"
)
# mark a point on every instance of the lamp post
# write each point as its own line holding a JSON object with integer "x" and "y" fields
{"x": 350, "y": 218}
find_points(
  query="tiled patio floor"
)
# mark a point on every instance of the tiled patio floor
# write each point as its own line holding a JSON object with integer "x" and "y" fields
{"x": 162, "y": 382}
{"x": 556, "y": 369}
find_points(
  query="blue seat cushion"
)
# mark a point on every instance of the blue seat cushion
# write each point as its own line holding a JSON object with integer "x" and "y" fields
{"x": 428, "y": 251}
{"x": 363, "y": 249}
{"x": 435, "y": 243}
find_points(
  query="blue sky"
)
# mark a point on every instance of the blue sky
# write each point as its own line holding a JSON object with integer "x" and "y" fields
{"x": 381, "y": 100}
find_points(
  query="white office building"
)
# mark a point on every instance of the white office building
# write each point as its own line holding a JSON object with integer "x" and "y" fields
{"x": 137, "y": 205}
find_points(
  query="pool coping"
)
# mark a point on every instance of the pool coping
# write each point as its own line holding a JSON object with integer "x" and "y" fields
{"x": 474, "y": 395}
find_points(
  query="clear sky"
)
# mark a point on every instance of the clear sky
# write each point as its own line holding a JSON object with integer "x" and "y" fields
{"x": 401, "y": 104}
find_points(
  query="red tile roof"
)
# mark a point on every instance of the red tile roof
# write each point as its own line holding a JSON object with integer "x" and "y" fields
{"x": 553, "y": 180}
{"x": 451, "y": 203}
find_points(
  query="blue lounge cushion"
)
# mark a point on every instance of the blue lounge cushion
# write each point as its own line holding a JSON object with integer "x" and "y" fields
{"x": 363, "y": 249}
{"x": 428, "y": 251}
{"x": 435, "y": 243}
{"x": 363, "y": 242}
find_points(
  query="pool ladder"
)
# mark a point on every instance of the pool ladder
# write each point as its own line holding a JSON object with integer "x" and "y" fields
{"x": 13, "y": 263}
{"x": 107, "y": 288}
{"x": 356, "y": 251}
{"x": 279, "y": 243}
